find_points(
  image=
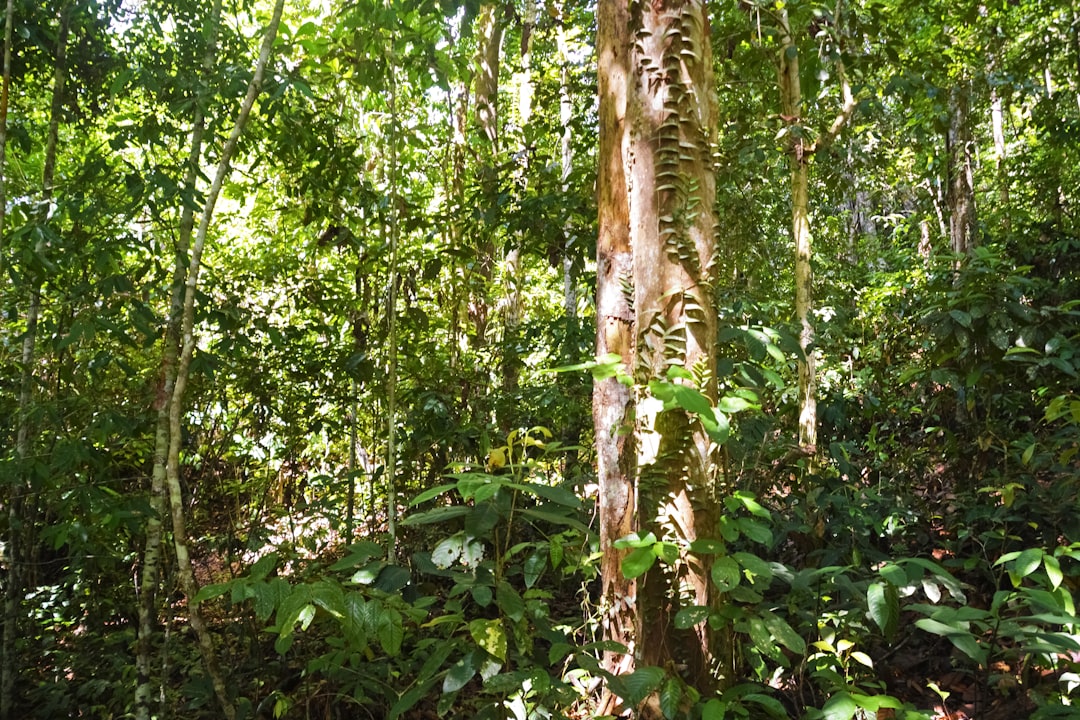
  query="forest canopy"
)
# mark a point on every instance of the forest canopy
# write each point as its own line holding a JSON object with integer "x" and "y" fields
{"x": 451, "y": 358}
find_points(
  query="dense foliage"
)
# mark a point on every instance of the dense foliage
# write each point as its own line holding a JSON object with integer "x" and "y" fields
{"x": 385, "y": 458}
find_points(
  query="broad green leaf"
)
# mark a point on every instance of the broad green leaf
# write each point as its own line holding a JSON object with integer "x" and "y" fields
{"x": 459, "y": 675}
{"x": 390, "y": 632}
{"x": 763, "y": 639}
{"x": 432, "y": 493}
{"x": 688, "y": 617}
{"x": 638, "y": 685}
{"x": 509, "y": 602}
{"x": 883, "y": 602}
{"x": 755, "y": 530}
{"x": 1053, "y": 571}
{"x": 959, "y": 636}
{"x": 840, "y": 706}
{"x": 671, "y": 695}
{"x": 534, "y": 566}
{"x": 437, "y": 515}
{"x": 755, "y": 567}
{"x": 725, "y": 573}
{"x": 784, "y": 633}
{"x": 714, "y": 710}
{"x": 638, "y": 562}
{"x": 489, "y": 635}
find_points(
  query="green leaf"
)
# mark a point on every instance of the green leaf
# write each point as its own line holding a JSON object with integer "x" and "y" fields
{"x": 763, "y": 639}
{"x": 534, "y": 566}
{"x": 638, "y": 562}
{"x": 509, "y": 602}
{"x": 784, "y": 633}
{"x": 959, "y": 636}
{"x": 883, "y": 602}
{"x": 1027, "y": 562}
{"x": 459, "y": 675}
{"x": 638, "y": 685}
{"x": 755, "y": 567}
{"x": 390, "y": 632}
{"x": 437, "y": 515}
{"x": 489, "y": 635}
{"x": 432, "y": 493}
{"x": 707, "y": 546}
{"x": 671, "y": 695}
{"x": 755, "y": 530}
{"x": 840, "y": 706}
{"x": 725, "y": 573}
{"x": 714, "y": 710}
{"x": 731, "y": 404}
{"x": 1053, "y": 571}
{"x": 688, "y": 617}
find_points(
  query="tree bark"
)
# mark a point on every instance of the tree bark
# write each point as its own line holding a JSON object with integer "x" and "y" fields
{"x": 20, "y": 508}
{"x": 658, "y": 120}
{"x": 148, "y": 579}
{"x": 960, "y": 195}
{"x": 616, "y": 454}
{"x": 172, "y": 475}
{"x": 799, "y": 157}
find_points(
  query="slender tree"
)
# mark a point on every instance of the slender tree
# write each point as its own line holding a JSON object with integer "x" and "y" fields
{"x": 20, "y": 507}
{"x": 148, "y": 578}
{"x": 187, "y": 339}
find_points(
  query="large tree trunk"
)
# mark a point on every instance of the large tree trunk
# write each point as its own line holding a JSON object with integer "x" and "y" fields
{"x": 657, "y": 233}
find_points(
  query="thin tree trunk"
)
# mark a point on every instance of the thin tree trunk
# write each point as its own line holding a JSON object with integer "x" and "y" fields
{"x": 997, "y": 127}
{"x": 5, "y": 87}
{"x": 148, "y": 580}
{"x": 960, "y": 195}
{"x": 799, "y": 158}
{"x": 616, "y": 453}
{"x": 22, "y": 497}
{"x": 13, "y": 583}
{"x": 392, "y": 340}
{"x": 172, "y": 476}
{"x": 566, "y": 158}
{"x": 489, "y": 31}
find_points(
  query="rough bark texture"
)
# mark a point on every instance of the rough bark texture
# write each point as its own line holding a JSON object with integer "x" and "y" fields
{"x": 673, "y": 229}
{"x": 612, "y": 409}
{"x": 655, "y": 307}
{"x": 960, "y": 195}
{"x": 799, "y": 157}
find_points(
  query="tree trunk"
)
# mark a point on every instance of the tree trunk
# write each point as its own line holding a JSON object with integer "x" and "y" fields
{"x": 960, "y": 195}
{"x": 799, "y": 158}
{"x": 566, "y": 164}
{"x": 658, "y": 121}
{"x": 489, "y": 31}
{"x": 616, "y": 454}
{"x": 172, "y": 475}
{"x": 5, "y": 88}
{"x": 20, "y": 510}
{"x": 148, "y": 580}
{"x": 392, "y": 340}
{"x": 997, "y": 127}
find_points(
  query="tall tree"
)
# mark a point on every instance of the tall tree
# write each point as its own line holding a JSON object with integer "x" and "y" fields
{"x": 656, "y": 311}
{"x": 21, "y": 511}
{"x": 151, "y": 560}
